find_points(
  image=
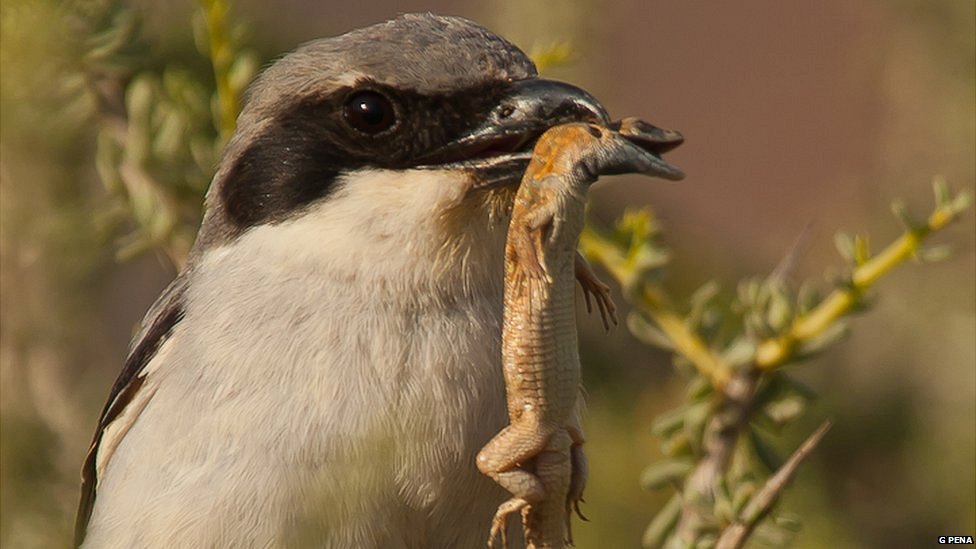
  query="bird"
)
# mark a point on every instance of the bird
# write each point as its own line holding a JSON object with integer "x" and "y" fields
{"x": 325, "y": 368}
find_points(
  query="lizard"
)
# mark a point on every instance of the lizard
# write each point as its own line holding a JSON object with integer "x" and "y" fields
{"x": 538, "y": 457}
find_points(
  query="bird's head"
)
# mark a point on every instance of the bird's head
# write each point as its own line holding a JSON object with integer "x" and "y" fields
{"x": 419, "y": 117}
{"x": 417, "y": 94}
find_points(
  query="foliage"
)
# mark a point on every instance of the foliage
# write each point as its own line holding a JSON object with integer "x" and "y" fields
{"x": 161, "y": 131}
{"x": 719, "y": 455}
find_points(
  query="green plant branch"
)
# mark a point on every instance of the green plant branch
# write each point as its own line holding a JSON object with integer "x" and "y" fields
{"x": 685, "y": 341}
{"x": 776, "y": 351}
{"x": 222, "y": 57}
{"x": 156, "y": 144}
{"x": 555, "y": 54}
{"x": 737, "y": 403}
{"x": 653, "y": 301}
{"x": 107, "y": 74}
{"x": 777, "y": 325}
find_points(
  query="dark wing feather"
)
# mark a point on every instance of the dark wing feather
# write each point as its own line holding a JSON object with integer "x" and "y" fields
{"x": 156, "y": 327}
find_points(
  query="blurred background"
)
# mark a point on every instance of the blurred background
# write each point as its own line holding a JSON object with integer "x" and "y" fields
{"x": 797, "y": 115}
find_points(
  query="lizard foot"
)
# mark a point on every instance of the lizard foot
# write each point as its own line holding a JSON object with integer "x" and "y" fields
{"x": 591, "y": 284}
{"x": 498, "y": 526}
{"x": 580, "y": 472}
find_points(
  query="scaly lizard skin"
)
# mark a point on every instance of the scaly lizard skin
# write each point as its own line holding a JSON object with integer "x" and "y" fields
{"x": 539, "y": 457}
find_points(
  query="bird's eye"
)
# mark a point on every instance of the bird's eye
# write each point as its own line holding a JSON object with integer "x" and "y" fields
{"x": 369, "y": 112}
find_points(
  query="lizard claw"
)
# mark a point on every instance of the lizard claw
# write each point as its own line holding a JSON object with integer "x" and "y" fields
{"x": 499, "y": 527}
{"x": 577, "y": 509}
{"x": 591, "y": 284}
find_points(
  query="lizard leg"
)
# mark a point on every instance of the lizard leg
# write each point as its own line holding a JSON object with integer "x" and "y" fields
{"x": 498, "y": 526}
{"x": 517, "y": 443}
{"x": 539, "y": 223}
{"x": 591, "y": 284}
{"x": 522, "y": 249}
{"x": 525, "y": 253}
{"x": 545, "y": 523}
{"x": 501, "y": 459}
{"x": 581, "y": 471}
{"x": 528, "y": 490}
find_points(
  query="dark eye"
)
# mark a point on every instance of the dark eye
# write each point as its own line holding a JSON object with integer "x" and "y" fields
{"x": 369, "y": 112}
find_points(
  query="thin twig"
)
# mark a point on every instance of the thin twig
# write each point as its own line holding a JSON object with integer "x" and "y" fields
{"x": 736, "y": 534}
{"x": 221, "y": 57}
{"x": 787, "y": 266}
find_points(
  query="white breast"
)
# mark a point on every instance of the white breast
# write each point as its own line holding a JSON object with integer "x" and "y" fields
{"x": 330, "y": 383}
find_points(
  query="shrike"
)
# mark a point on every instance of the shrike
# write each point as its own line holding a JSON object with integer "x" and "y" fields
{"x": 326, "y": 367}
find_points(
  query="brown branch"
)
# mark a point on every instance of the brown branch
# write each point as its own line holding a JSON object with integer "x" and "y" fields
{"x": 720, "y": 438}
{"x": 759, "y": 506}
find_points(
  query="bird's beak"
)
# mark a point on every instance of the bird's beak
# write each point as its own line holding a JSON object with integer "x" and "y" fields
{"x": 497, "y": 151}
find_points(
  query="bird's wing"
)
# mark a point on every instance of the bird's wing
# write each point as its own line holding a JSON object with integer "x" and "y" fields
{"x": 126, "y": 400}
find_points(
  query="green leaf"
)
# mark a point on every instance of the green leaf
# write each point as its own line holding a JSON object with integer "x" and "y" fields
{"x": 723, "y": 501}
{"x": 845, "y": 245}
{"x": 700, "y": 301}
{"x": 761, "y": 421}
{"x": 711, "y": 324}
{"x": 808, "y": 297}
{"x": 677, "y": 445}
{"x": 647, "y": 258}
{"x": 242, "y": 72}
{"x": 662, "y": 525}
{"x": 798, "y": 386}
{"x": 131, "y": 246}
{"x": 779, "y": 313}
{"x": 240, "y": 34}
{"x": 660, "y": 474}
{"x": 792, "y": 385}
{"x": 110, "y": 42}
{"x": 706, "y": 540}
{"x": 683, "y": 366}
{"x": 901, "y": 213}
{"x": 741, "y": 351}
{"x": 820, "y": 342}
{"x": 748, "y": 293}
{"x": 960, "y": 203}
{"x": 669, "y": 423}
{"x": 551, "y": 55}
{"x": 786, "y": 409}
{"x": 941, "y": 190}
{"x": 696, "y": 418}
{"x": 170, "y": 136}
{"x": 862, "y": 250}
{"x": 644, "y": 330}
{"x": 743, "y": 493}
{"x": 765, "y": 453}
{"x": 788, "y": 521}
{"x": 139, "y": 99}
{"x": 201, "y": 35}
{"x": 699, "y": 388}
{"x": 108, "y": 155}
{"x": 932, "y": 254}
{"x": 770, "y": 535}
